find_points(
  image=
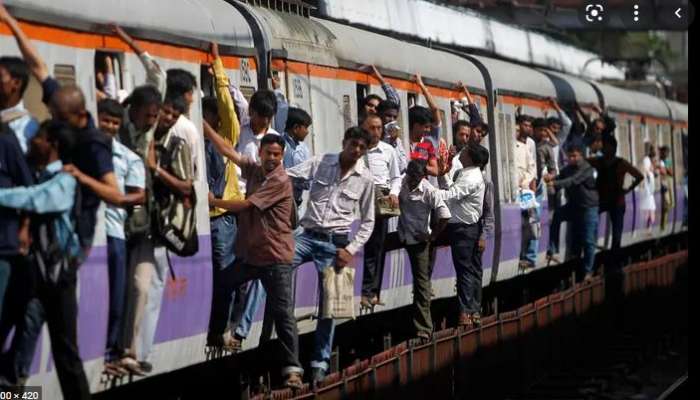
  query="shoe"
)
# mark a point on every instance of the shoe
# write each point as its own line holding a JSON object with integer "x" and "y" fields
{"x": 551, "y": 258}
{"x": 588, "y": 278}
{"x": 476, "y": 319}
{"x": 130, "y": 364}
{"x": 231, "y": 343}
{"x": 525, "y": 265}
{"x": 146, "y": 366}
{"x": 294, "y": 381}
{"x": 465, "y": 320}
{"x": 112, "y": 368}
{"x": 375, "y": 301}
{"x": 365, "y": 302}
{"x": 317, "y": 375}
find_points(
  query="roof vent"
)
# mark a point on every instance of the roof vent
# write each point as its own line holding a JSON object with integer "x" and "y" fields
{"x": 297, "y": 7}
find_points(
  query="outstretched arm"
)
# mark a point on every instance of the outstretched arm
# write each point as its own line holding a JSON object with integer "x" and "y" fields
{"x": 154, "y": 74}
{"x": 107, "y": 193}
{"x": 31, "y": 56}
{"x": 225, "y": 149}
{"x": 391, "y": 93}
{"x": 429, "y": 98}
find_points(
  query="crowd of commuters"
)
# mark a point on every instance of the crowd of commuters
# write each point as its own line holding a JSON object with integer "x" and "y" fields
{"x": 140, "y": 157}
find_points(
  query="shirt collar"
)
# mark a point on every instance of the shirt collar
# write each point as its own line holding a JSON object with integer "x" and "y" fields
{"x": 290, "y": 140}
{"x": 54, "y": 167}
{"x": 17, "y": 107}
{"x": 357, "y": 169}
{"x": 419, "y": 189}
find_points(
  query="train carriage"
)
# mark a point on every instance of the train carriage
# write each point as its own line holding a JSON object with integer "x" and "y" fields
{"x": 318, "y": 63}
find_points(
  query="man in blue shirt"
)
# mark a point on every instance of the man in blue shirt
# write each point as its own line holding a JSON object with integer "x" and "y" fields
{"x": 296, "y": 151}
{"x": 55, "y": 254}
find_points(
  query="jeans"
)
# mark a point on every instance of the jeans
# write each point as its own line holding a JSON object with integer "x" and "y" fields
{"x": 419, "y": 254}
{"x": 117, "y": 271}
{"x": 561, "y": 214}
{"x": 530, "y": 245}
{"x": 254, "y": 297}
{"x": 277, "y": 281}
{"x": 613, "y": 273}
{"x": 147, "y": 277}
{"x": 227, "y": 302}
{"x": 374, "y": 259}
{"x": 467, "y": 262}
{"x": 585, "y": 221}
{"x": 323, "y": 255}
{"x": 5, "y": 276}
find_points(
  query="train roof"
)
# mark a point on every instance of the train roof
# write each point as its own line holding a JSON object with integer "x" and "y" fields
{"x": 167, "y": 20}
{"x": 624, "y": 100}
{"x": 363, "y": 47}
{"x": 295, "y": 37}
{"x": 508, "y": 77}
{"x": 571, "y": 89}
{"x": 679, "y": 111}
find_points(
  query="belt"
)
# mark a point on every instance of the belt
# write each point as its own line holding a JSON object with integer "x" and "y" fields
{"x": 327, "y": 237}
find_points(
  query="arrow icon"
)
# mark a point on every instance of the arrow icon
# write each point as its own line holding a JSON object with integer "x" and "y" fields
{"x": 678, "y": 12}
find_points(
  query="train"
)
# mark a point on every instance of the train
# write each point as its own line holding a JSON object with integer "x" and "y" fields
{"x": 318, "y": 63}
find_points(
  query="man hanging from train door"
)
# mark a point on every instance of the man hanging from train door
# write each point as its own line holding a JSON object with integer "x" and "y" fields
{"x": 340, "y": 184}
{"x": 526, "y": 175}
{"x": 383, "y": 164}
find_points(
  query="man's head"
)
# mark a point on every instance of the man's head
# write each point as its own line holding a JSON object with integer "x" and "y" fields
{"x": 210, "y": 111}
{"x": 14, "y": 77}
{"x": 554, "y": 124}
{"x": 598, "y": 126}
{"x": 609, "y": 147}
{"x": 370, "y": 104}
{"x": 415, "y": 172}
{"x": 262, "y": 109}
{"x": 475, "y": 155}
{"x": 388, "y": 110}
{"x": 173, "y": 106}
{"x": 54, "y": 140}
{"x": 663, "y": 152}
{"x": 525, "y": 125}
{"x": 574, "y": 154}
{"x": 420, "y": 122}
{"x": 182, "y": 83}
{"x": 373, "y": 126}
{"x": 355, "y": 143}
{"x": 109, "y": 116}
{"x": 461, "y": 133}
{"x": 650, "y": 150}
{"x": 144, "y": 105}
{"x": 541, "y": 129}
{"x": 298, "y": 123}
{"x": 68, "y": 105}
{"x": 271, "y": 151}
{"x": 479, "y": 131}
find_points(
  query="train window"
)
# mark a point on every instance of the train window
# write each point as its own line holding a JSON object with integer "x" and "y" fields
{"x": 412, "y": 99}
{"x": 109, "y": 81}
{"x": 362, "y": 92}
{"x": 506, "y": 132}
{"x": 64, "y": 74}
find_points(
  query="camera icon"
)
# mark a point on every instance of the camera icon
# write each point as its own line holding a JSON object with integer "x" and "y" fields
{"x": 594, "y": 13}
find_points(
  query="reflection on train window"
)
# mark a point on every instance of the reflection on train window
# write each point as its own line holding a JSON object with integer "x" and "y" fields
{"x": 64, "y": 74}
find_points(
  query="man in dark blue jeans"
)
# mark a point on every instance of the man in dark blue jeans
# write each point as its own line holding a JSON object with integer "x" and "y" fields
{"x": 578, "y": 178}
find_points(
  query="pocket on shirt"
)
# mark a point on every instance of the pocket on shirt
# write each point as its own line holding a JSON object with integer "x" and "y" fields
{"x": 347, "y": 200}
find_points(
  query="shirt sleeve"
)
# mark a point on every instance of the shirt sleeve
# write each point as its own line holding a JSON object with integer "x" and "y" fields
{"x": 440, "y": 207}
{"x": 18, "y": 168}
{"x": 459, "y": 189}
{"x": 230, "y": 128}
{"x": 566, "y": 125}
{"x": 474, "y": 115}
{"x": 282, "y": 111}
{"x": 403, "y": 158}
{"x": 576, "y": 179}
{"x": 488, "y": 218}
{"x": 303, "y": 170}
{"x": 154, "y": 73}
{"x": 136, "y": 173}
{"x": 53, "y": 196}
{"x": 247, "y": 166}
{"x": 241, "y": 103}
{"x": 102, "y": 158}
{"x": 394, "y": 173}
{"x": 367, "y": 219}
{"x": 391, "y": 93}
{"x": 110, "y": 86}
{"x": 270, "y": 193}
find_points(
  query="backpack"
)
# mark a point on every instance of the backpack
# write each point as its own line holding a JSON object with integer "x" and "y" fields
{"x": 173, "y": 216}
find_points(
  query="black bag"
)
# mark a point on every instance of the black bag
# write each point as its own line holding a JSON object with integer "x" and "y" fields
{"x": 175, "y": 216}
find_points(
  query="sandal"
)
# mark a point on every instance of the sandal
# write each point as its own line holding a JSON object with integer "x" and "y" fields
{"x": 130, "y": 364}
{"x": 113, "y": 369}
{"x": 476, "y": 319}
{"x": 231, "y": 343}
{"x": 294, "y": 381}
{"x": 375, "y": 301}
{"x": 465, "y": 320}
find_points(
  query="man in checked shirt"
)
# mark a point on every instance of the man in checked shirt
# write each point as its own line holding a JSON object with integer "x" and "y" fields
{"x": 340, "y": 184}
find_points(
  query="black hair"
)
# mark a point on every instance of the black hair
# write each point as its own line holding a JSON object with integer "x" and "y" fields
{"x": 554, "y": 120}
{"x": 355, "y": 132}
{"x": 573, "y": 147}
{"x": 458, "y": 125}
{"x": 210, "y": 105}
{"x": 110, "y": 107}
{"x": 419, "y": 115}
{"x": 63, "y": 135}
{"x": 144, "y": 96}
{"x": 386, "y": 105}
{"x": 523, "y": 118}
{"x": 539, "y": 123}
{"x": 17, "y": 69}
{"x": 484, "y": 127}
{"x": 371, "y": 97}
{"x": 478, "y": 153}
{"x": 180, "y": 81}
{"x": 297, "y": 117}
{"x": 271, "y": 138}
{"x": 417, "y": 168}
{"x": 609, "y": 140}
{"x": 264, "y": 103}
{"x": 176, "y": 101}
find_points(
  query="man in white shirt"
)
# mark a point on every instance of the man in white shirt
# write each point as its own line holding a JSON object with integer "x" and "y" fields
{"x": 383, "y": 163}
{"x": 183, "y": 83}
{"x": 525, "y": 161}
{"x": 465, "y": 198}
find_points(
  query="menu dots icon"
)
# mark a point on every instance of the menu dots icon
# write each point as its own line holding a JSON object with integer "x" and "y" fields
{"x": 636, "y": 12}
